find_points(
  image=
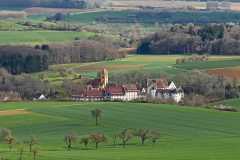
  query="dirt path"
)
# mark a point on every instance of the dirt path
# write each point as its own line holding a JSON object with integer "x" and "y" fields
{"x": 13, "y": 112}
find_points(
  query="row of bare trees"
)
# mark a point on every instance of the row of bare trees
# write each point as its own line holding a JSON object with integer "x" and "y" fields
{"x": 97, "y": 137}
{"x": 6, "y": 137}
{"x": 13, "y": 14}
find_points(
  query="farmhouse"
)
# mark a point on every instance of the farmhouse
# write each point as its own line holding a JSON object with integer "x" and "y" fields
{"x": 98, "y": 84}
{"x": 86, "y": 95}
{"x": 115, "y": 93}
{"x": 160, "y": 88}
{"x": 131, "y": 91}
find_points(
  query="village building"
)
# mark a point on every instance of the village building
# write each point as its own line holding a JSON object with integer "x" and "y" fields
{"x": 160, "y": 88}
{"x": 38, "y": 96}
{"x": 98, "y": 84}
{"x": 131, "y": 91}
{"x": 88, "y": 95}
{"x": 115, "y": 93}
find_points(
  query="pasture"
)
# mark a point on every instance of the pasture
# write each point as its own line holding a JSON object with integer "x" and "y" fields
{"x": 205, "y": 65}
{"x": 189, "y": 133}
{"x": 41, "y": 36}
{"x": 12, "y": 9}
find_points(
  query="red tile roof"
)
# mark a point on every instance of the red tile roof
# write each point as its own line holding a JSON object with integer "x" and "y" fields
{"x": 115, "y": 90}
{"x": 159, "y": 83}
{"x": 130, "y": 88}
{"x": 88, "y": 94}
{"x": 105, "y": 71}
{"x": 95, "y": 83}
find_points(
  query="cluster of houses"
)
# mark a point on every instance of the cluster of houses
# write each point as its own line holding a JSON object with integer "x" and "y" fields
{"x": 99, "y": 89}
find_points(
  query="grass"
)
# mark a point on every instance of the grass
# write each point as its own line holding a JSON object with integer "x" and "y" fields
{"x": 190, "y": 133}
{"x": 231, "y": 102}
{"x": 40, "y": 17}
{"x": 40, "y": 37}
{"x": 203, "y": 65}
{"x": 12, "y": 9}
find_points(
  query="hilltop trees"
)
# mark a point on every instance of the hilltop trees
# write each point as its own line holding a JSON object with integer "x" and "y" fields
{"x": 125, "y": 136}
{"x": 69, "y": 138}
{"x": 98, "y": 137}
{"x": 96, "y": 113}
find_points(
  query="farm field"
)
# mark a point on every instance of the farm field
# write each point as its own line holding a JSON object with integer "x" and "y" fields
{"x": 40, "y": 37}
{"x": 189, "y": 133}
{"x": 231, "y": 73}
{"x": 88, "y": 18}
{"x": 12, "y": 9}
{"x": 231, "y": 102}
{"x": 204, "y": 65}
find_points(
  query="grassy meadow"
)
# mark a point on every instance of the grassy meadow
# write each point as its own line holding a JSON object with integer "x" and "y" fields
{"x": 203, "y": 65}
{"x": 189, "y": 133}
{"x": 41, "y": 36}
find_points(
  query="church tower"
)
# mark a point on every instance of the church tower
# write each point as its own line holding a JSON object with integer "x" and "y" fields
{"x": 104, "y": 77}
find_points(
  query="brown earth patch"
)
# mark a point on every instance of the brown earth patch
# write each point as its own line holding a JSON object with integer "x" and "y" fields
{"x": 12, "y": 112}
{"x": 39, "y": 10}
{"x": 231, "y": 73}
{"x": 98, "y": 68}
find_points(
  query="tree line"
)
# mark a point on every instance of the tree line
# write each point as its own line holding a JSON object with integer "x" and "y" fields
{"x": 212, "y": 39}
{"x": 21, "y": 86}
{"x": 82, "y": 4}
{"x": 13, "y": 14}
{"x": 23, "y": 59}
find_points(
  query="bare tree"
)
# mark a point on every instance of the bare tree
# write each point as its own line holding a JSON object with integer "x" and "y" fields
{"x": 36, "y": 150}
{"x": 21, "y": 149}
{"x": 143, "y": 133}
{"x": 85, "y": 140}
{"x": 42, "y": 76}
{"x": 69, "y": 138}
{"x": 125, "y": 136}
{"x": 114, "y": 136}
{"x": 96, "y": 113}
{"x": 31, "y": 141}
{"x": 11, "y": 141}
{"x": 4, "y": 133}
{"x": 155, "y": 136}
{"x": 98, "y": 137}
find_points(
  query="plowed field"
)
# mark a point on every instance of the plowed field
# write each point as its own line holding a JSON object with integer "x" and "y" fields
{"x": 98, "y": 68}
{"x": 232, "y": 73}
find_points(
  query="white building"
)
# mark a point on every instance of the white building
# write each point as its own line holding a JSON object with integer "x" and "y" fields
{"x": 160, "y": 88}
{"x": 131, "y": 91}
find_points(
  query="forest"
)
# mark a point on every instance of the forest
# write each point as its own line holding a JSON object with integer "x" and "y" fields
{"x": 51, "y": 3}
{"x": 213, "y": 39}
{"x": 27, "y": 59}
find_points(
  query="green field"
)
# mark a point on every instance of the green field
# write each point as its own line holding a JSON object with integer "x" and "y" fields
{"x": 231, "y": 102}
{"x": 40, "y": 37}
{"x": 12, "y": 9}
{"x": 203, "y": 65}
{"x": 190, "y": 133}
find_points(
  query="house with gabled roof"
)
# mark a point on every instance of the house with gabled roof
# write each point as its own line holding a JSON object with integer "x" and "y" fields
{"x": 86, "y": 95}
{"x": 131, "y": 91}
{"x": 160, "y": 88}
{"x": 115, "y": 93}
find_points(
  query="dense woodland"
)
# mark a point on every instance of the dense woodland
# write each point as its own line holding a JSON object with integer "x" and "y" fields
{"x": 23, "y": 59}
{"x": 27, "y": 59}
{"x": 82, "y": 4}
{"x": 212, "y": 39}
